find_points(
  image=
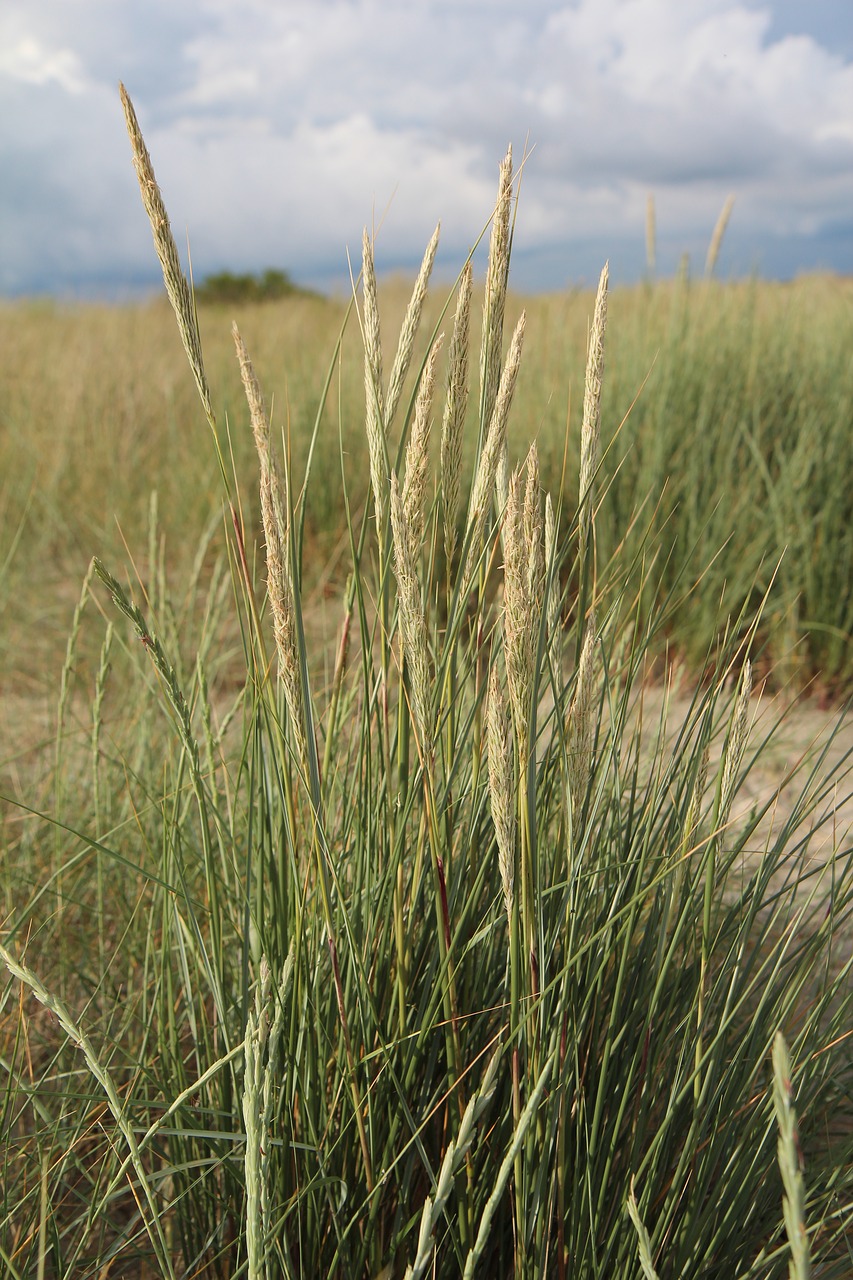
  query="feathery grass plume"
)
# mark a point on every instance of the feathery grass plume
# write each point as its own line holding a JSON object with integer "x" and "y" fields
{"x": 524, "y": 576}
{"x": 591, "y": 428}
{"x": 276, "y": 534}
{"x": 455, "y": 406}
{"x": 481, "y": 495}
{"x": 406, "y": 342}
{"x": 78, "y": 1037}
{"x": 456, "y": 1152}
{"x": 555, "y": 631}
{"x": 515, "y": 605}
{"x": 644, "y": 1244}
{"x": 497, "y": 275}
{"x": 412, "y": 620}
{"x": 580, "y": 727}
{"x": 651, "y": 236}
{"x": 502, "y": 784}
{"x": 417, "y": 454}
{"x": 164, "y": 242}
{"x": 717, "y": 237}
{"x": 735, "y": 747}
{"x": 790, "y": 1163}
{"x": 375, "y": 410}
{"x": 533, "y": 528}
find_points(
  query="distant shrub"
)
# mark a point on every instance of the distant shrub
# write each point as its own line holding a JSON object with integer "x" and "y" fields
{"x": 268, "y": 286}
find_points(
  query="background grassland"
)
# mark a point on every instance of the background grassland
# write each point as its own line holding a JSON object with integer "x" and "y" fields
{"x": 737, "y": 452}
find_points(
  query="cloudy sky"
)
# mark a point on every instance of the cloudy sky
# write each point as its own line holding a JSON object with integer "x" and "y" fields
{"x": 279, "y": 128}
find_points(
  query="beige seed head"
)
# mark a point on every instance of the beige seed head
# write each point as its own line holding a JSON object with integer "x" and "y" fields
{"x": 374, "y": 409}
{"x": 497, "y": 275}
{"x": 717, "y": 236}
{"x": 406, "y": 343}
{"x": 455, "y": 406}
{"x": 412, "y": 619}
{"x": 164, "y": 242}
{"x": 276, "y": 535}
{"x": 523, "y": 591}
{"x": 516, "y": 602}
{"x": 591, "y": 428}
{"x": 417, "y": 454}
{"x": 533, "y": 530}
{"x": 495, "y": 443}
{"x": 502, "y": 785}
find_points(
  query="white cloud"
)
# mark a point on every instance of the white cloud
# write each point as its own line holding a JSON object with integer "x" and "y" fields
{"x": 276, "y": 129}
{"x": 31, "y": 62}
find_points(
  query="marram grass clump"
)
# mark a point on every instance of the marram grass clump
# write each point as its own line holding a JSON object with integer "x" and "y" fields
{"x": 447, "y": 965}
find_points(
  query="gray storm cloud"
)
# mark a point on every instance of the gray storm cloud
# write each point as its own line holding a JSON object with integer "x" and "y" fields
{"x": 278, "y": 131}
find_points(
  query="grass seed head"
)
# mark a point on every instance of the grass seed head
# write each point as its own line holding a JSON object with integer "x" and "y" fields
{"x": 417, "y": 454}
{"x": 484, "y": 482}
{"x": 497, "y": 274}
{"x": 412, "y": 319}
{"x": 412, "y": 620}
{"x": 591, "y": 427}
{"x": 164, "y": 242}
{"x": 455, "y": 406}
{"x": 502, "y": 785}
{"x": 276, "y": 536}
{"x": 717, "y": 236}
{"x": 524, "y": 575}
{"x": 375, "y": 411}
